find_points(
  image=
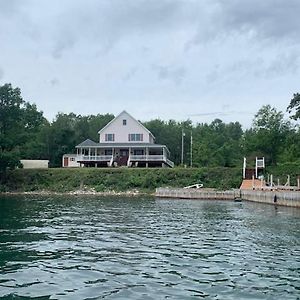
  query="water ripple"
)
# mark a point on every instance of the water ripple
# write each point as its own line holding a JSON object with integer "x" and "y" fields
{"x": 118, "y": 248}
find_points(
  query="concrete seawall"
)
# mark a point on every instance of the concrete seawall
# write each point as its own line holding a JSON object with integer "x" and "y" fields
{"x": 285, "y": 198}
{"x": 197, "y": 194}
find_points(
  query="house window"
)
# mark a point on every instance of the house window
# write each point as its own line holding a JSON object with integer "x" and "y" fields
{"x": 124, "y": 122}
{"x": 72, "y": 158}
{"x": 109, "y": 137}
{"x": 135, "y": 137}
{"x": 138, "y": 152}
{"x": 108, "y": 151}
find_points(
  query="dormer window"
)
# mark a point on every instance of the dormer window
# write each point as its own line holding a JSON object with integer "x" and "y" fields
{"x": 124, "y": 122}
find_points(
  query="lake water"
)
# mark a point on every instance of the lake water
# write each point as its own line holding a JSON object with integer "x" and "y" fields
{"x": 90, "y": 247}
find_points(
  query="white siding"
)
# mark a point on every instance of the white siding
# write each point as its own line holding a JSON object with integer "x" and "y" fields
{"x": 121, "y": 131}
{"x": 71, "y": 161}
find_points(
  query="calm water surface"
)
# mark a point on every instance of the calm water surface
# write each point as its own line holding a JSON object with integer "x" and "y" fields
{"x": 145, "y": 248}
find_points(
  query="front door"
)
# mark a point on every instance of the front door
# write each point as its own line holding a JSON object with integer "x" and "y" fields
{"x": 124, "y": 153}
{"x": 66, "y": 161}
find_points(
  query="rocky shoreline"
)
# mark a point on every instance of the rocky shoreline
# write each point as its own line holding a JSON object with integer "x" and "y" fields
{"x": 89, "y": 192}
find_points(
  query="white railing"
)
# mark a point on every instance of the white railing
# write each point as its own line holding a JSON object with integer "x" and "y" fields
{"x": 148, "y": 157}
{"x": 110, "y": 159}
{"x": 170, "y": 163}
{"x": 94, "y": 158}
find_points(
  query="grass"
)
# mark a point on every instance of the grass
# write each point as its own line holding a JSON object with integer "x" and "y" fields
{"x": 117, "y": 179}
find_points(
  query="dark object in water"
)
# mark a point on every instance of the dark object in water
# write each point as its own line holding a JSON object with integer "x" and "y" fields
{"x": 237, "y": 199}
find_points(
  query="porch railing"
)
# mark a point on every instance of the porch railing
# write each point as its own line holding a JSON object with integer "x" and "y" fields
{"x": 170, "y": 163}
{"x": 94, "y": 158}
{"x": 147, "y": 157}
{"x": 131, "y": 158}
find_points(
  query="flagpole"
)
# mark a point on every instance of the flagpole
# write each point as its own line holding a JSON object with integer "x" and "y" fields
{"x": 191, "y": 148}
{"x": 182, "y": 135}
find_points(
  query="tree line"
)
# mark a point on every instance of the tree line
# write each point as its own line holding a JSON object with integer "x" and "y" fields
{"x": 26, "y": 134}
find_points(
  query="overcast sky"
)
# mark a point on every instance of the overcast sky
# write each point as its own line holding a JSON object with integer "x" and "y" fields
{"x": 167, "y": 59}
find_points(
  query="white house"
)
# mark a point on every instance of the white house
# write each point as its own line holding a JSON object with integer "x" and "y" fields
{"x": 122, "y": 142}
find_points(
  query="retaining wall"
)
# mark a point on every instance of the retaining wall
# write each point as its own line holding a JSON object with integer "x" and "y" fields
{"x": 197, "y": 194}
{"x": 286, "y": 198}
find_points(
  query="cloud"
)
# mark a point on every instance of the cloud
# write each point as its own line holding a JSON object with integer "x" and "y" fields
{"x": 65, "y": 42}
{"x": 130, "y": 74}
{"x": 267, "y": 20}
{"x": 260, "y": 67}
{"x": 174, "y": 74}
{"x": 54, "y": 82}
{"x": 8, "y": 8}
{"x": 236, "y": 53}
{"x": 107, "y": 22}
{"x": 271, "y": 19}
{"x": 283, "y": 64}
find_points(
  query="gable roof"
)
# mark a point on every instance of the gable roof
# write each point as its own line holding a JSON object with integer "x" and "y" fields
{"x": 124, "y": 111}
{"x": 87, "y": 143}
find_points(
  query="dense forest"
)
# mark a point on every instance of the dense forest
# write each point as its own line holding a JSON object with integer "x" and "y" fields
{"x": 26, "y": 133}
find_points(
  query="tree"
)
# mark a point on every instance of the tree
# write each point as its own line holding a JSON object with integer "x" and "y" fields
{"x": 68, "y": 130}
{"x": 217, "y": 144}
{"x": 268, "y": 134}
{"x": 295, "y": 105}
{"x": 19, "y": 122}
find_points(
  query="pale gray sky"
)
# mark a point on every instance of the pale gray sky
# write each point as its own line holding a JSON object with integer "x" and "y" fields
{"x": 197, "y": 59}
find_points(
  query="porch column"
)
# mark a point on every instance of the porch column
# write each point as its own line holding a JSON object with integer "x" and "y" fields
{"x": 89, "y": 153}
{"x": 129, "y": 155}
{"x": 164, "y": 153}
{"x": 112, "y": 157}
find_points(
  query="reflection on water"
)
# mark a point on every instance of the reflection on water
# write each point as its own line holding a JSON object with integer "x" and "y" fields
{"x": 145, "y": 248}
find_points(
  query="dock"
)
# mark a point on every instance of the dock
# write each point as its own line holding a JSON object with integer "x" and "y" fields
{"x": 184, "y": 193}
{"x": 284, "y": 198}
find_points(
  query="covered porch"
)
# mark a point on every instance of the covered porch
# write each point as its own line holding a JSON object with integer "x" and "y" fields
{"x": 136, "y": 155}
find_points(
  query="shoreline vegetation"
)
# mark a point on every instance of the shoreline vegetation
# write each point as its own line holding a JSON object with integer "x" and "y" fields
{"x": 125, "y": 181}
{"x": 114, "y": 181}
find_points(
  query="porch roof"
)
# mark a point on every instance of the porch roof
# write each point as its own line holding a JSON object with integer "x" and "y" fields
{"x": 92, "y": 144}
{"x": 87, "y": 143}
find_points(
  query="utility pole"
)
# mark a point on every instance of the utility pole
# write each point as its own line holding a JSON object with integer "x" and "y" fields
{"x": 191, "y": 148}
{"x": 182, "y": 143}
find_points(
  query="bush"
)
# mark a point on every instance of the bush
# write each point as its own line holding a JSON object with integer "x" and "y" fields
{"x": 62, "y": 180}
